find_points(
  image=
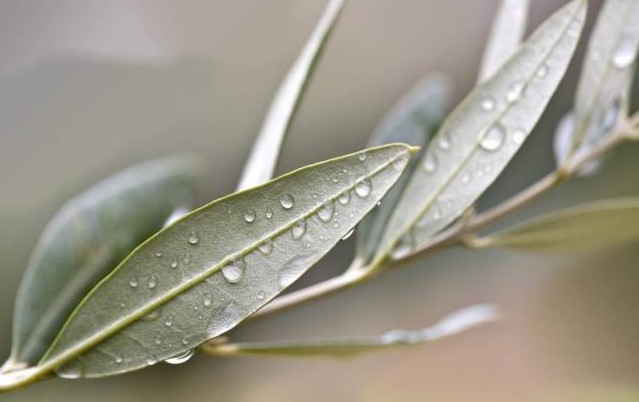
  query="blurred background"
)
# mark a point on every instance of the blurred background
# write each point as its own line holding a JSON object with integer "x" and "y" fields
{"x": 87, "y": 88}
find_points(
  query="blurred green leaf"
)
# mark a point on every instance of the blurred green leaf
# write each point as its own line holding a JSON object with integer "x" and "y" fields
{"x": 505, "y": 36}
{"x": 476, "y": 142}
{"x": 219, "y": 265}
{"x": 261, "y": 163}
{"x": 413, "y": 120}
{"x": 594, "y": 225}
{"x": 452, "y": 324}
{"x": 87, "y": 238}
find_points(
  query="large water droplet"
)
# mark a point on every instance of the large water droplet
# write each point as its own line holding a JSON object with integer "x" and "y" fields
{"x": 430, "y": 163}
{"x": 152, "y": 282}
{"x": 363, "y": 188}
{"x": 625, "y": 54}
{"x": 348, "y": 234}
{"x": 287, "y": 201}
{"x": 266, "y": 247}
{"x": 514, "y": 91}
{"x": 233, "y": 272}
{"x": 344, "y": 198}
{"x": 249, "y": 215}
{"x": 488, "y": 103}
{"x": 134, "y": 282}
{"x": 299, "y": 229}
{"x": 325, "y": 213}
{"x": 194, "y": 238}
{"x": 181, "y": 358}
{"x": 493, "y": 138}
{"x": 444, "y": 142}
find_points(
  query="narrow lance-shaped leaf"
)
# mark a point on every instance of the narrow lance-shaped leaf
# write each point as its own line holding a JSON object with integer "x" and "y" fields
{"x": 459, "y": 321}
{"x": 505, "y": 36}
{"x": 86, "y": 239}
{"x": 261, "y": 163}
{"x": 595, "y": 225}
{"x": 563, "y": 142}
{"x": 476, "y": 142}
{"x": 604, "y": 85}
{"x": 413, "y": 120}
{"x": 219, "y": 265}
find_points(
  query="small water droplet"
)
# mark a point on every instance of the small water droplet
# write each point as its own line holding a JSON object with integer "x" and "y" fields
{"x": 514, "y": 91}
{"x": 249, "y": 216}
{"x": 362, "y": 156}
{"x": 158, "y": 340}
{"x": 437, "y": 214}
{"x": 344, "y": 198}
{"x": 299, "y": 229}
{"x": 194, "y": 238}
{"x": 181, "y": 358}
{"x": 123, "y": 304}
{"x": 207, "y": 301}
{"x": 151, "y": 360}
{"x": 625, "y": 54}
{"x": 335, "y": 180}
{"x": 168, "y": 322}
{"x": 488, "y": 103}
{"x": 493, "y": 138}
{"x": 363, "y": 188}
{"x": 233, "y": 271}
{"x": 465, "y": 178}
{"x": 325, "y": 213}
{"x": 430, "y": 163}
{"x": 269, "y": 213}
{"x": 159, "y": 255}
{"x": 152, "y": 316}
{"x": 185, "y": 341}
{"x": 344, "y": 170}
{"x": 152, "y": 282}
{"x": 287, "y": 201}
{"x": 118, "y": 360}
{"x": 261, "y": 296}
{"x": 348, "y": 234}
{"x": 134, "y": 282}
{"x": 444, "y": 142}
{"x": 266, "y": 247}
{"x": 519, "y": 136}
{"x": 174, "y": 264}
{"x": 542, "y": 71}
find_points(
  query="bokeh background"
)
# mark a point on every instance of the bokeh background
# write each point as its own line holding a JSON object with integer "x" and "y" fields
{"x": 87, "y": 88}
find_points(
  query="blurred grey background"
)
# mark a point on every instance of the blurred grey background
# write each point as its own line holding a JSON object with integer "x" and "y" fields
{"x": 87, "y": 88}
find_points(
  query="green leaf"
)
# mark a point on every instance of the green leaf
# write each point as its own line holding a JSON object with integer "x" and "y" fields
{"x": 505, "y": 36}
{"x": 86, "y": 239}
{"x": 261, "y": 163}
{"x": 594, "y": 225}
{"x": 604, "y": 86}
{"x": 220, "y": 264}
{"x": 452, "y": 324}
{"x": 476, "y": 142}
{"x": 413, "y": 120}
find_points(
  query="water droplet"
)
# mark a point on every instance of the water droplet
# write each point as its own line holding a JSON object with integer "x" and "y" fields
{"x": 514, "y": 91}
{"x": 488, "y": 103}
{"x": 519, "y": 136}
{"x": 159, "y": 255}
{"x": 287, "y": 278}
{"x": 625, "y": 54}
{"x": 344, "y": 198}
{"x": 269, "y": 213}
{"x": 152, "y": 316}
{"x": 168, "y": 322}
{"x": 363, "y": 188}
{"x": 123, "y": 304}
{"x": 493, "y": 138}
{"x": 299, "y": 229}
{"x": 119, "y": 360}
{"x": 185, "y": 341}
{"x": 465, "y": 178}
{"x": 249, "y": 216}
{"x": 233, "y": 272}
{"x": 194, "y": 238}
{"x": 266, "y": 247}
{"x": 444, "y": 142}
{"x": 437, "y": 214}
{"x": 181, "y": 358}
{"x": 325, "y": 213}
{"x": 261, "y": 296}
{"x": 287, "y": 201}
{"x": 158, "y": 340}
{"x": 174, "y": 264}
{"x": 134, "y": 282}
{"x": 542, "y": 71}
{"x": 151, "y": 360}
{"x": 348, "y": 234}
{"x": 207, "y": 301}
{"x": 152, "y": 282}
{"x": 362, "y": 156}
{"x": 430, "y": 163}
{"x": 344, "y": 170}
{"x": 335, "y": 180}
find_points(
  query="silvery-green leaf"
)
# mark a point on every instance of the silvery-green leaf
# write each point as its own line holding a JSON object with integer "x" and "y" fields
{"x": 261, "y": 163}
{"x": 413, "y": 120}
{"x": 220, "y": 264}
{"x": 604, "y": 85}
{"x": 594, "y": 225}
{"x": 476, "y": 141}
{"x": 87, "y": 238}
{"x": 459, "y": 321}
{"x": 505, "y": 36}
{"x": 562, "y": 144}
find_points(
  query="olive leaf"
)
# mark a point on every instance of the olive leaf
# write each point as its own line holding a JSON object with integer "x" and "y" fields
{"x": 86, "y": 239}
{"x": 413, "y": 120}
{"x": 219, "y": 264}
{"x": 505, "y": 36}
{"x": 476, "y": 142}
{"x": 562, "y": 145}
{"x": 452, "y": 324}
{"x": 261, "y": 163}
{"x": 604, "y": 86}
{"x": 594, "y": 225}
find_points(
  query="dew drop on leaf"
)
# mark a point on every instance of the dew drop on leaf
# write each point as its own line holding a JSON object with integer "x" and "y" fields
{"x": 493, "y": 138}
{"x": 269, "y": 213}
{"x": 514, "y": 91}
{"x": 181, "y": 358}
{"x": 344, "y": 198}
{"x": 542, "y": 71}
{"x": 348, "y": 234}
{"x": 249, "y": 216}
{"x": 134, "y": 283}
{"x": 233, "y": 272}
{"x": 624, "y": 54}
{"x": 325, "y": 213}
{"x": 194, "y": 238}
{"x": 519, "y": 136}
{"x": 444, "y": 142}
{"x": 363, "y": 188}
{"x": 266, "y": 247}
{"x": 430, "y": 163}
{"x": 287, "y": 201}
{"x": 299, "y": 229}
{"x": 488, "y": 103}
{"x": 151, "y": 283}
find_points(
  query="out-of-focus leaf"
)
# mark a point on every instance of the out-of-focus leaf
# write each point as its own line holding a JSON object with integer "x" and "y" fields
{"x": 87, "y": 238}
{"x": 476, "y": 142}
{"x": 261, "y": 163}
{"x": 413, "y": 120}
{"x": 594, "y": 225}
{"x": 452, "y": 324}
{"x": 604, "y": 85}
{"x": 219, "y": 264}
{"x": 563, "y": 140}
{"x": 505, "y": 36}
